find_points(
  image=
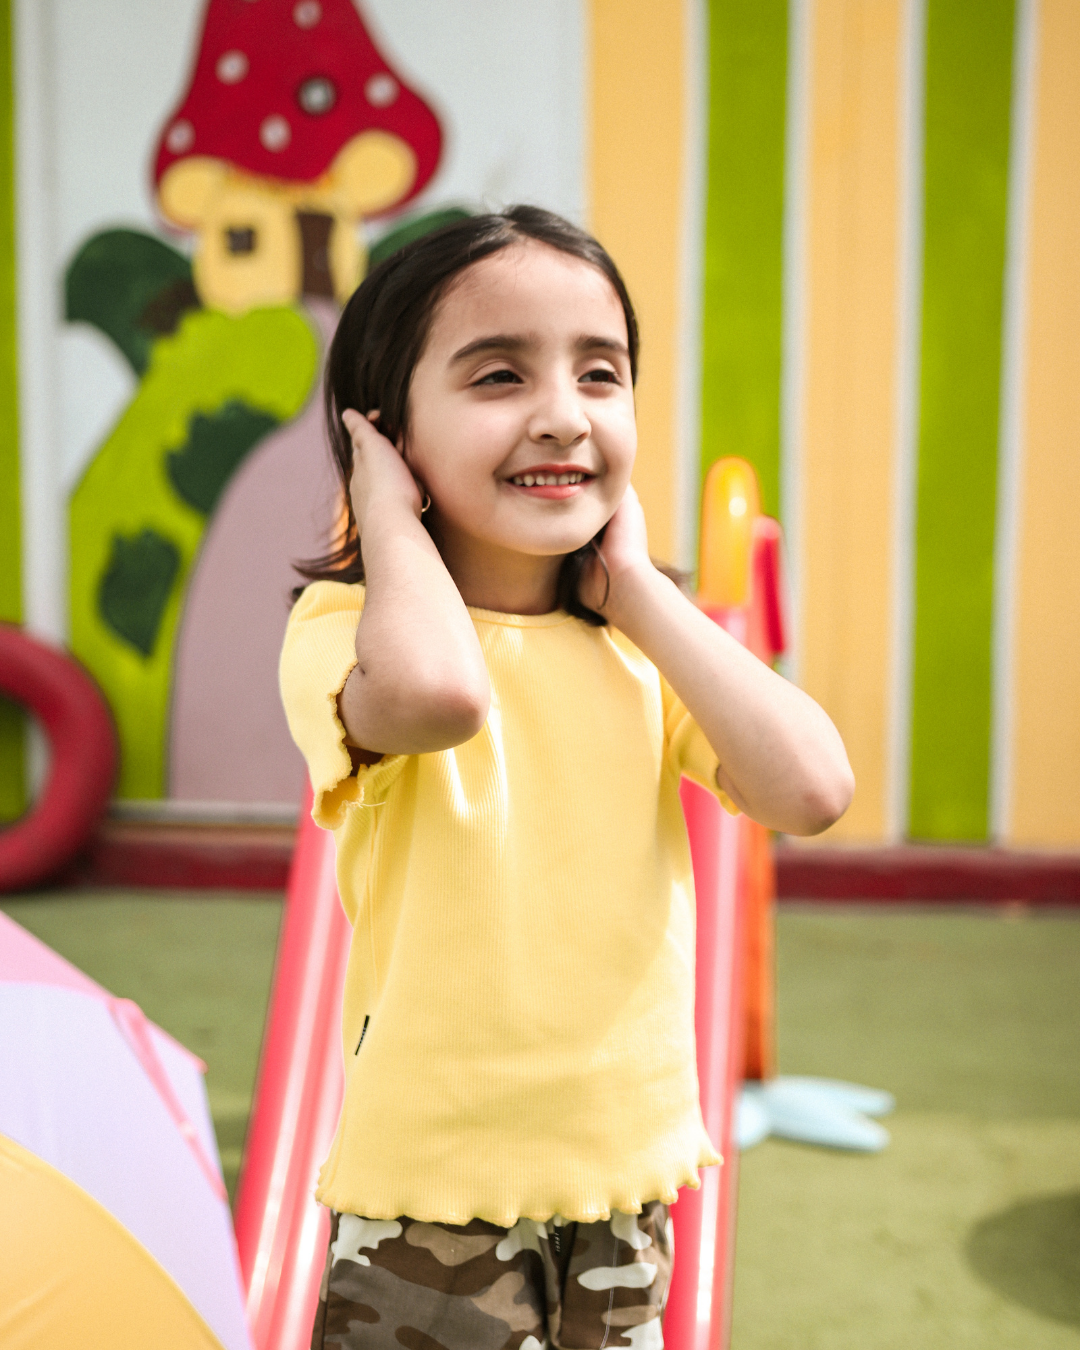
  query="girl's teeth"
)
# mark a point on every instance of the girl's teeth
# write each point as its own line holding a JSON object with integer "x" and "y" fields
{"x": 546, "y": 479}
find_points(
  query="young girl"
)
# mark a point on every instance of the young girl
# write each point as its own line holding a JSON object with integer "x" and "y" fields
{"x": 497, "y": 692}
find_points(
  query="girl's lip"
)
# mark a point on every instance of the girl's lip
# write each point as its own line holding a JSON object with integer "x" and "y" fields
{"x": 551, "y": 491}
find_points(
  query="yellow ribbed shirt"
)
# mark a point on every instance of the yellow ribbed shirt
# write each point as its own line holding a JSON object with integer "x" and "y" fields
{"x": 522, "y": 909}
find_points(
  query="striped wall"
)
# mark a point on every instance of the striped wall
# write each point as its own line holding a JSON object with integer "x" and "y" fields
{"x": 743, "y": 244}
{"x": 902, "y": 369}
{"x": 844, "y": 429}
{"x": 966, "y": 173}
{"x": 636, "y": 130}
{"x": 1040, "y": 733}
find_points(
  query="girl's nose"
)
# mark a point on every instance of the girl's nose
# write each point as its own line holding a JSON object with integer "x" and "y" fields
{"x": 559, "y": 415}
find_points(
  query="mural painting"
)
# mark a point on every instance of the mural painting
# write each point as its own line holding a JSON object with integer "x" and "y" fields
{"x": 293, "y": 131}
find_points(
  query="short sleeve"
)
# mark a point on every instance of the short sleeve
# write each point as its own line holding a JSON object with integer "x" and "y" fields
{"x": 688, "y": 750}
{"x": 318, "y": 655}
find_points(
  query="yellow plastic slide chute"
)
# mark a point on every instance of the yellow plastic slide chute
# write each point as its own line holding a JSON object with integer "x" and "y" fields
{"x": 72, "y": 1275}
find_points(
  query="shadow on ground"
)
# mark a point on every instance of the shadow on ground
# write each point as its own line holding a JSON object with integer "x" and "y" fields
{"x": 1030, "y": 1253}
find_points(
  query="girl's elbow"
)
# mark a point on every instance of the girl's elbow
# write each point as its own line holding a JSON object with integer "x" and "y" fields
{"x": 455, "y": 712}
{"x": 826, "y": 800}
{"x": 467, "y": 711}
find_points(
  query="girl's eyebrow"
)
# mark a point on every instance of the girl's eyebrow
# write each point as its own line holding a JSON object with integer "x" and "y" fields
{"x": 498, "y": 342}
{"x": 511, "y": 343}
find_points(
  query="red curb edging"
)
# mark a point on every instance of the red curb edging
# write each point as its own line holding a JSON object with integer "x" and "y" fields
{"x": 196, "y": 857}
{"x": 927, "y": 873}
{"x": 228, "y": 857}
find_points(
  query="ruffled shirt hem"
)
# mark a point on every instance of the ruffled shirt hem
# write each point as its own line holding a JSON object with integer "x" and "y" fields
{"x": 507, "y": 1212}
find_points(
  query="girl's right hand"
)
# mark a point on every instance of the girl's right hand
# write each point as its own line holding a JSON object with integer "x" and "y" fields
{"x": 380, "y": 474}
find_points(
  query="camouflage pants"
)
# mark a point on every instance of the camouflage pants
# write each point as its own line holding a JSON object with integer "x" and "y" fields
{"x": 390, "y": 1283}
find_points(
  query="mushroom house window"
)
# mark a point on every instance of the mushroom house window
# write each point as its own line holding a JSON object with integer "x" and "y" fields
{"x": 317, "y": 95}
{"x": 240, "y": 239}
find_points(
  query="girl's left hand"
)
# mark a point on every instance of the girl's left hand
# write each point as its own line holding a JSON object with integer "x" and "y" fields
{"x": 625, "y": 550}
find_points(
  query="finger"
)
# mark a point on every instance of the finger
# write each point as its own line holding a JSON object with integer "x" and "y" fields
{"x": 359, "y": 428}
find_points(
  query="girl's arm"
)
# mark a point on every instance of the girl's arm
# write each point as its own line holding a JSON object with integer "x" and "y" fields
{"x": 420, "y": 682}
{"x": 782, "y": 760}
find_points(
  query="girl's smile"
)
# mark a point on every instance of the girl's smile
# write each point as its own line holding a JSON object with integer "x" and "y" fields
{"x": 554, "y": 481}
{"x": 521, "y": 421}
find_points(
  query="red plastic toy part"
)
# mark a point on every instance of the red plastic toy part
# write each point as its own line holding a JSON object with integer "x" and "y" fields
{"x": 67, "y": 702}
{"x": 698, "y": 1313}
{"x": 281, "y": 1233}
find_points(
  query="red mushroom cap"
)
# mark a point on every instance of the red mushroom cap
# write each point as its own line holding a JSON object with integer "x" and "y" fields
{"x": 280, "y": 86}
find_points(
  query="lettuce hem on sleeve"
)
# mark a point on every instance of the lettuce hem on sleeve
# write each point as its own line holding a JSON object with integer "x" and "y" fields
{"x": 338, "y": 786}
{"x": 690, "y": 752}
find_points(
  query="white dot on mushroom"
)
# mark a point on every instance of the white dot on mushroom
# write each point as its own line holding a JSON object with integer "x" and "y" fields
{"x": 181, "y": 137}
{"x": 275, "y": 133}
{"x": 307, "y": 13}
{"x": 381, "y": 90}
{"x": 231, "y": 67}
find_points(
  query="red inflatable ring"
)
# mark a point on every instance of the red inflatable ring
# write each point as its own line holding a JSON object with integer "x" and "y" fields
{"x": 56, "y": 689}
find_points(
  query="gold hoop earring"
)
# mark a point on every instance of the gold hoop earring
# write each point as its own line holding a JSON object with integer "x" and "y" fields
{"x": 425, "y": 505}
{"x": 607, "y": 575}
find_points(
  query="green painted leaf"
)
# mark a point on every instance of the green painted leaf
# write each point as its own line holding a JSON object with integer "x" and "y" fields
{"x": 135, "y": 586}
{"x": 413, "y": 228}
{"x": 132, "y": 287}
{"x": 267, "y": 360}
{"x": 213, "y": 450}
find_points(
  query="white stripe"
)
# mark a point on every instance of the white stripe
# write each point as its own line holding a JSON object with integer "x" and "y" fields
{"x": 44, "y": 533}
{"x": 794, "y": 357}
{"x": 1011, "y": 423}
{"x": 687, "y": 440}
{"x": 906, "y": 458}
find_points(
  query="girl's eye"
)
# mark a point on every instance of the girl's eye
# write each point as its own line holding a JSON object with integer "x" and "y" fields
{"x": 600, "y": 376}
{"x": 500, "y": 377}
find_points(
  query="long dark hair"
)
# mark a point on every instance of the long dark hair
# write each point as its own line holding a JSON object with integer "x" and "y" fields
{"x": 381, "y": 336}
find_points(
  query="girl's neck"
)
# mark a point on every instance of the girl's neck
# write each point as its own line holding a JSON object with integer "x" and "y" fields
{"x": 498, "y": 579}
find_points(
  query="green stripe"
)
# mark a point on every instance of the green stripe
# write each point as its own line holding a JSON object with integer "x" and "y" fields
{"x": 968, "y": 89}
{"x": 744, "y": 227}
{"x": 12, "y": 768}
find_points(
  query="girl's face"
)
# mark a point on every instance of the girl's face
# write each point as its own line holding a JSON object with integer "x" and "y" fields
{"x": 521, "y": 412}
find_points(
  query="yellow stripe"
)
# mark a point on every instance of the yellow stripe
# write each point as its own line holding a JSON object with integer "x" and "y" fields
{"x": 1046, "y": 735}
{"x": 636, "y": 134}
{"x": 850, "y": 428}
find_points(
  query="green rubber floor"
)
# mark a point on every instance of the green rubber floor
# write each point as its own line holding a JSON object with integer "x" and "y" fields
{"x": 964, "y": 1233}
